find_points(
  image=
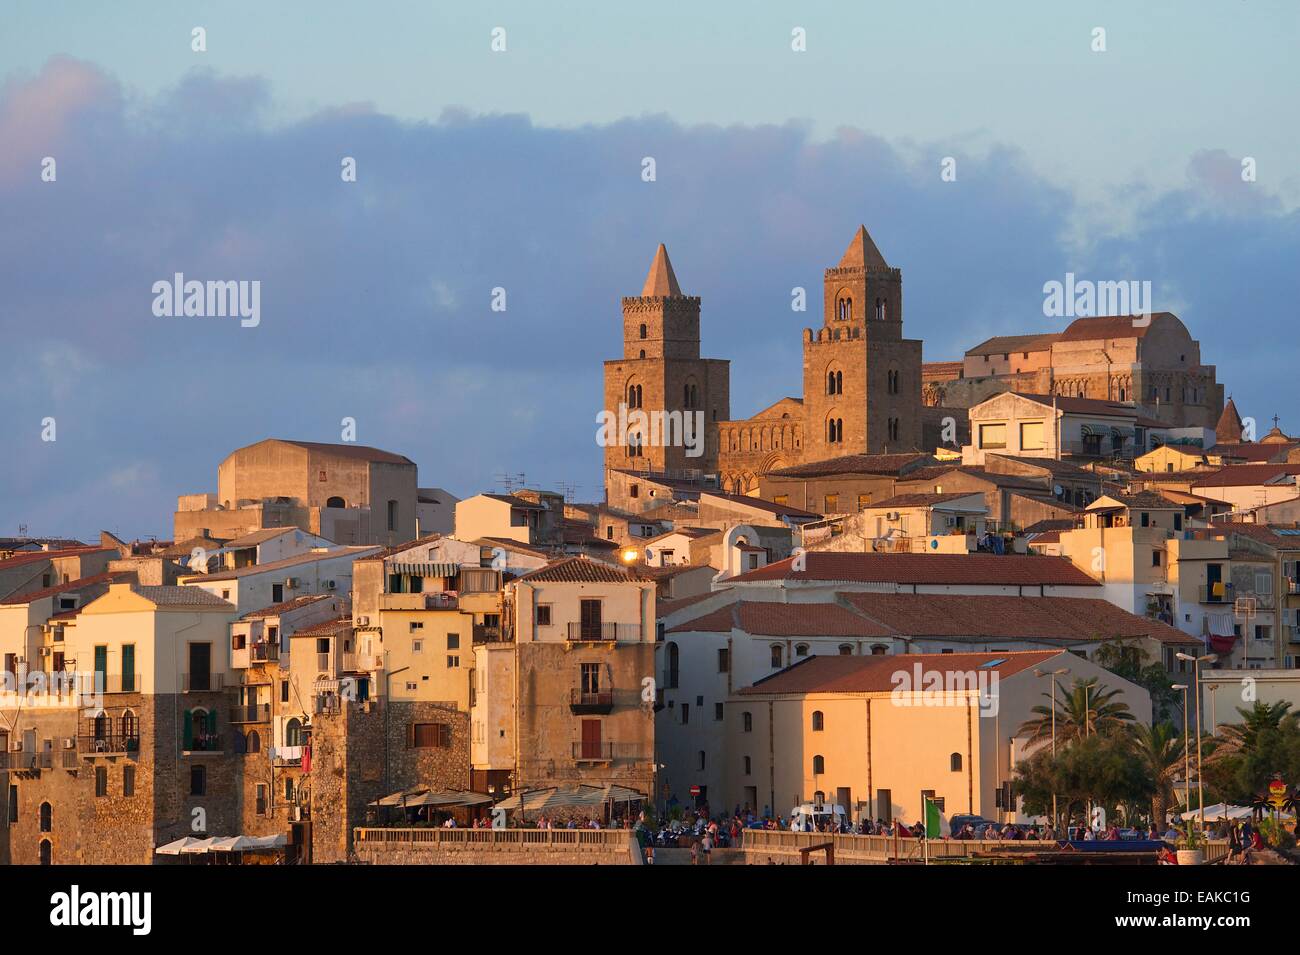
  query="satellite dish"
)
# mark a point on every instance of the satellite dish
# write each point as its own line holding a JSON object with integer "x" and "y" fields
{"x": 1058, "y": 490}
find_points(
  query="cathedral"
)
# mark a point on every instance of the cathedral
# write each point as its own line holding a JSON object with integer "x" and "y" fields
{"x": 862, "y": 379}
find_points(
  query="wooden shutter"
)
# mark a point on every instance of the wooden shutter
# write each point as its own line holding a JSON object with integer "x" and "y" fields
{"x": 188, "y": 732}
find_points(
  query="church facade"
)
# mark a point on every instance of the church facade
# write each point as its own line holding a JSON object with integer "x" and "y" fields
{"x": 862, "y": 380}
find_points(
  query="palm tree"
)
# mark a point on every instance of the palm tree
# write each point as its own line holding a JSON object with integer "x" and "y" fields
{"x": 1159, "y": 748}
{"x": 1085, "y": 708}
{"x": 1240, "y": 737}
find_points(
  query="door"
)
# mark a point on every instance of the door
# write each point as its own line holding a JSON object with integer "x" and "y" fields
{"x": 884, "y": 806}
{"x": 200, "y": 666}
{"x": 591, "y": 745}
{"x": 844, "y": 797}
{"x": 591, "y": 620}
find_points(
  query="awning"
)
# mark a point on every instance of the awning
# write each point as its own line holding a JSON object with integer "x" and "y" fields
{"x": 189, "y": 845}
{"x": 177, "y": 847}
{"x": 198, "y": 847}
{"x": 418, "y": 797}
{"x": 565, "y": 796}
{"x": 425, "y": 569}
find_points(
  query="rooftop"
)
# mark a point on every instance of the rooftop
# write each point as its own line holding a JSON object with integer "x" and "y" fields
{"x": 1007, "y": 569}
{"x": 824, "y": 673}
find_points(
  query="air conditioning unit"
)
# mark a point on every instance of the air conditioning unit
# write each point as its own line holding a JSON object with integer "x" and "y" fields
{"x": 46, "y": 651}
{"x": 892, "y": 516}
{"x": 363, "y": 621}
{"x": 70, "y": 742}
{"x": 17, "y": 746}
{"x": 291, "y": 582}
{"x": 329, "y": 585}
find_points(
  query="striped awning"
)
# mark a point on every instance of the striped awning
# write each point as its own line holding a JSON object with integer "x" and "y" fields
{"x": 425, "y": 569}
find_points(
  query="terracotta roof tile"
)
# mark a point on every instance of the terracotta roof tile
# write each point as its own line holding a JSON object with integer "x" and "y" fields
{"x": 768, "y": 619}
{"x": 581, "y": 570}
{"x": 1013, "y": 569}
{"x": 825, "y": 673}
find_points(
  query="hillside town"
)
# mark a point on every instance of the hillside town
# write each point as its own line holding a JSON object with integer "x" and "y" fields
{"x": 910, "y": 607}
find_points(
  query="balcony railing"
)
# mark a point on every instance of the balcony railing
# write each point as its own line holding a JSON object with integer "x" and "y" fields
{"x": 251, "y": 713}
{"x": 487, "y": 633}
{"x": 602, "y": 752}
{"x": 201, "y": 682}
{"x": 603, "y": 632}
{"x": 19, "y": 762}
{"x": 265, "y": 652}
{"x": 116, "y": 683}
{"x": 206, "y": 743}
{"x": 109, "y": 744}
{"x": 1206, "y": 595}
{"x": 582, "y": 701}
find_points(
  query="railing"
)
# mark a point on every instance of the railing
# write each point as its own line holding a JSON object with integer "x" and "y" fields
{"x": 251, "y": 713}
{"x": 118, "y": 682}
{"x": 208, "y": 743}
{"x": 603, "y": 632}
{"x": 485, "y": 633}
{"x": 581, "y": 701}
{"x": 1205, "y": 594}
{"x": 323, "y": 662}
{"x": 1291, "y": 586}
{"x": 521, "y": 839}
{"x": 108, "y": 744}
{"x": 266, "y": 652}
{"x": 201, "y": 682}
{"x": 603, "y": 752}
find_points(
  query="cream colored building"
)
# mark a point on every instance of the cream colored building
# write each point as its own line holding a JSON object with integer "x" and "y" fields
{"x": 875, "y": 733}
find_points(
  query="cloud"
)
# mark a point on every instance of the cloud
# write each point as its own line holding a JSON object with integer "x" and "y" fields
{"x": 376, "y": 295}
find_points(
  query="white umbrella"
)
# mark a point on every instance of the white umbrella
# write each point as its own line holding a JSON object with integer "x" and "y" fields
{"x": 278, "y": 841}
{"x": 198, "y": 847}
{"x": 177, "y": 847}
{"x": 1220, "y": 811}
{"x": 232, "y": 844}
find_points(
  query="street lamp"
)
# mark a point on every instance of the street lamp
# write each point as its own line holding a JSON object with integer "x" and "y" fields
{"x": 1200, "y": 779}
{"x": 1053, "y": 674}
{"x": 1187, "y": 751}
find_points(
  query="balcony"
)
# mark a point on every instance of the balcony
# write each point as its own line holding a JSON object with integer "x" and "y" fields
{"x": 205, "y": 743}
{"x": 251, "y": 713}
{"x": 431, "y": 601}
{"x": 488, "y": 633}
{"x": 1206, "y": 594}
{"x": 20, "y": 762}
{"x": 107, "y": 744}
{"x": 112, "y": 683}
{"x": 201, "y": 682}
{"x": 602, "y": 752}
{"x": 603, "y": 632}
{"x": 582, "y": 702}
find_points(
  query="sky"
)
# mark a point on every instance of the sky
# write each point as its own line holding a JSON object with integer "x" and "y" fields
{"x": 522, "y": 169}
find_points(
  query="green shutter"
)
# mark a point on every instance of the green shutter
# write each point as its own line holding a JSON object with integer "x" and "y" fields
{"x": 128, "y": 667}
{"x": 188, "y": 734}
{"x": 101, "y": 659}
{"x": 212, "y": 722}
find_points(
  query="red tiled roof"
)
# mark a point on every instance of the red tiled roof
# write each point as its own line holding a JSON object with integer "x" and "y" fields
{"x": 72, "y": 585}
{"x": 30, "y": 557}
{"x": 825, "y": 673}
{"x": 1241, "y": 475}
{"x": 1110, "y": 326}
{"x": 781, "y": 510}
{"x": 285, "y": 606}
{"x": 1252, "y": 451}
{"x": 581, "y": 570}
{"x": 1069, "y": 619}
{"x": 881, "y": 464}
{"x": 922, "y": 500}
{"x": 1012, "y": 569}
{"x": 300, "y": 559}
{"x": 355, "y": 451}
{"x": 333, "y": 625}
{"x": 768, "y": 619}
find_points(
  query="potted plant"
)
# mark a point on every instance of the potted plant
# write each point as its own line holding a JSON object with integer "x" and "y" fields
{"x": 1191, "y": 847}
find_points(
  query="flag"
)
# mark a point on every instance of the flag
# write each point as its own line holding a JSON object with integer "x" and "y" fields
{"x": 931, "y": 820}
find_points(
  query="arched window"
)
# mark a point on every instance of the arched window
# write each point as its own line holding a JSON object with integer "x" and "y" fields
{"x": 336, "y": 502}
{"x": 879, "y": 651}
{"x": 747, "y": 721}
{"x": 778, "y": 654}
{"x": 47, "y": 852}
{"x": 254, "y": 741}
{"x": 102, "y": 725}
{"x": 819, "y": 765}
{"x": 293, "y": 732}
{"x": 835, "y": 430}
{"x": 130, "y": 725}
{"x": 846, "y": 650}
{"x": 801, "y": 649}
{"x": 818, "y": 721}
{"x": 47, "y": 817}
{"x": 642, "y": 355}
{"x": 643, "y": 330}
{"x": 954, "y": 762}
{"x": 240, "y": 743}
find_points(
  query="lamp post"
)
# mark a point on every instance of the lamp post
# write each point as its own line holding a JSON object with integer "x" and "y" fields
{"x": 1053, "y": 674}
{"x": 1187, "y": 751}
{"x": 1200, "y": 779}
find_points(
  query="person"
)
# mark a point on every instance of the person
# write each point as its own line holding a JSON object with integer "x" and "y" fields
{"x": 644, "y": 840}
{"x": 706, "y": 846}
{"x": 695, "y": 852}
{"x": 1236, "y": 852}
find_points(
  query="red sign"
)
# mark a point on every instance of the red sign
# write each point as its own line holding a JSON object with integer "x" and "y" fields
{"x": 695, "y": 790}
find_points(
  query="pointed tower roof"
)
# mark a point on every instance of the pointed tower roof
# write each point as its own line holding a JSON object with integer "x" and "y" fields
{"x": 661, "y": 282}
{"x": 862, "y": 253}
{"x": 1228, "y": 430}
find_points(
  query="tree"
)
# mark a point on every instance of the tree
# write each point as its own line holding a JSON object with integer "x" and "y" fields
{"x": 1159, "y": 751}
{"x": 1103, "y": 768}
{"x": 1085, "y": 709}
{"x": 1127, "y": 659}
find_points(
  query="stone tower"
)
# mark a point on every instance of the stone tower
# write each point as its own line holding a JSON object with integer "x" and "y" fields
{"x": 862, "y": 379}
{"x": 662, "y": 374}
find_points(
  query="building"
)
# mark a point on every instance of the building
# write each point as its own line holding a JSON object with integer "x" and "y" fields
{"x": 319, "y": 571}
{"x": 1052, "y": 426}
{"x": 878, "y": 734}
{"x": 346, "y": 493}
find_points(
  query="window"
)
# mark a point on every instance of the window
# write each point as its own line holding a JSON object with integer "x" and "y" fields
{"x": 781, "y": 499}
{"x": 1031, "y": 436}
{"x": 47, "y": 817}
{"x": 13, "y": 803}
{"x": 846, "y": 650}
{"x": 392, "y": 515}
{"x": 198, "y": 781}
{"x": 101, "y": 780}
{"x": 778, "y": 654}
{"x": 47, "y": 852}
{"x": 288, "y": 789}
{"x": 128, "y": 668}
{"x": 818, "y": 721}
{"x": 128, "y": 780}
{"x": 699, "y": 760}
{"x": 643, "y": 330}
{"x": 1155, "y": 558}
{"x": 686, "y": 713}
{"x": 819, "y": 765}
{"x": 724, "y": 660}
{"x": 415, "y": 626}
{"x": 801, "y": 650}
{"x": 673, "y": 663}
{"x": 1144, "y": 519}
{"x": 453, "y": 641}
{"x": 748, "y": 766}
{"x": 254, "y": 741}
{"x": 453, "y": 661}
{"x": 993, "y": 436}
{"x": 835, "y": 430}
{"x": 542, "y": 615}
{"x": 293, "y": 732}
{"x": 277, "y": 593}
{"x": 718, "y": 711}
{"x": 417, "y": 646}
{"x": 747, "y": 722}
{"x": 1263, "y": 584}
{"x": 954, "y": 762}
{"x": 832, "y": 504}
{"x": 864, "y": 501}
{"x": 284, "y": 692}
{"x": 429, "y": 736}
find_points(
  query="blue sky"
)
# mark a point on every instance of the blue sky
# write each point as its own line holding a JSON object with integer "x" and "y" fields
{"x": 522, "y": 170}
